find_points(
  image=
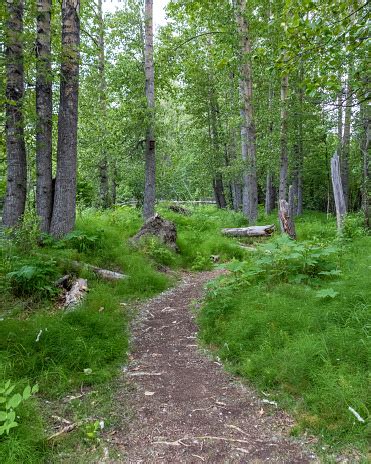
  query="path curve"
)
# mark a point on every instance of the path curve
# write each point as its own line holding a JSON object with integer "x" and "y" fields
{"x": 187, "y": 409}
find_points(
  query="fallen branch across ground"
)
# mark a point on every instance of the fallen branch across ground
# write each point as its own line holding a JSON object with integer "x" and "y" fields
{"x": 103, "y": 273}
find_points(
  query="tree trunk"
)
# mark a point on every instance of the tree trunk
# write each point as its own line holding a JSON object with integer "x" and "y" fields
{"x": 103, "y": 164}
{"x": 237, "y": 195}
{"x": 219, "y": 191}
{"x": 44, "y": 114}
{"x": 284, "y": 161}
{"x": 269, "y": 194}
{"x": 338, "y": 191}
{"x": 286, "y": 219}
{"x": 64, "y": 208}
{"x": 16, "y": 187}
{"x": 344, "y": 159}
{"x": 248, "y": 132}
{"x": 340, "y": 122}
{"x": 150, "y": 168}
{"x": 365, "y": 144}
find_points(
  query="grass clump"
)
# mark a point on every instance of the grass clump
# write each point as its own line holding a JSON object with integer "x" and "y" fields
{"x": 294, "y": 320}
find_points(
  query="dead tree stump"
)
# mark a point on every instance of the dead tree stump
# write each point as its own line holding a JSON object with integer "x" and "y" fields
{"x": 158, "y": 227}
{"x": 286, "y": 219}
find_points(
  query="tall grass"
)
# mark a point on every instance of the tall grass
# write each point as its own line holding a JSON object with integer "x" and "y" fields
{"x": 311, "y": 353}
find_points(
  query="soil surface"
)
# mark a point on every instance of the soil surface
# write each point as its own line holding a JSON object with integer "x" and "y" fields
{"x": 186, "y": 408}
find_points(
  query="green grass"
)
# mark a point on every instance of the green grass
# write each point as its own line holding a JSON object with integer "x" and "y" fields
{"x": 83, "y": 349}
{"x": 312, "y": 354}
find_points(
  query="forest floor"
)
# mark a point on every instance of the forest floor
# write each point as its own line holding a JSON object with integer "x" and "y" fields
{"x": 185, "y": 407}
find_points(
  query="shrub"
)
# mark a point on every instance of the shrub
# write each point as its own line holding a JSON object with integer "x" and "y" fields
{"x": 34, "y": 278}
{"x": 81, "y": 241}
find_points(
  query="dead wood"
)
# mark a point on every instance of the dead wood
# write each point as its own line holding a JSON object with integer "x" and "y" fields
{"x": 103, "y": 273}
{"x": 77, "y": 292}
{"x": 158, "y": 227}
{"x": 180, "y": 210}
{"x": 286, "y": 220}
{"x": 254, "y": 231}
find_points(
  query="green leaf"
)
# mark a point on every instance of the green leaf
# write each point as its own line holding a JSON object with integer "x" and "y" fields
{"x": 326, "y": 293}
{"x": 3, "y": 416}
{"x": 35, "y": 388}
{"x": 14, "y": 401}
{"x": 26, "y": 392}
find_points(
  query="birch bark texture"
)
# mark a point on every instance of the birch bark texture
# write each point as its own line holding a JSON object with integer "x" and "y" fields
{"x": 16, "y": 187}
{"x": 64, "y": 207}
{"x": 150, "y": 155}
{"x": 248, "y": 131}
{"x": 44, "y": 113}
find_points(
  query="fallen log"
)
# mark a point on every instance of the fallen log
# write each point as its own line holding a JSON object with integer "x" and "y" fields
{"x": 253, "y": 231}
{"x": 77, "y": 292}
{"x": 103, "y": 273}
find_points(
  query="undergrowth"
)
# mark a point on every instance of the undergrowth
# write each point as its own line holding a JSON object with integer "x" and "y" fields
{"x": 293, "y": 318}
{"x": 64, "y": 352}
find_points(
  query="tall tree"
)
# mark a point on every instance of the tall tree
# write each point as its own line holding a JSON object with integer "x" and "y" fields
{"x": 284, "y": 161}
{"x": 44, "y": 112}
{"x": 103, "y": 163}
{"x": 16, "y": 188}
{"x": 345, "y": 151}
{"x": 64, "y": 207}
{"x": 248, "y": 132}
{"x": 150, "y": 168}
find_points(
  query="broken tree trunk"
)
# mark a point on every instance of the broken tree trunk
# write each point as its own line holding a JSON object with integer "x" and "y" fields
{"x": 164, "y": 230}
{"x": 75, "y": 294}
{"x": 338, "y": 191}
{"x": 254, "y": 231}
{"x": 286, "y": 219}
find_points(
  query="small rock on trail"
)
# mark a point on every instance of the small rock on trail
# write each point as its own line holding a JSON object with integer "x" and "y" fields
{"x": 186, "y": 408}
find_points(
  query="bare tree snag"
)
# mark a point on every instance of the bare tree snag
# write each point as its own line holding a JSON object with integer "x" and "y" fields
{"x": 338, "y": 191}
{"x": 158, "y": 227}
{"x": 16, "y": 185}
{"x": 286, "y": 219}
{"x": 254, "y": 231}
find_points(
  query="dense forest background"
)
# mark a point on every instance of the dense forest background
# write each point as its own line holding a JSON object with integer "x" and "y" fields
{"x": 250, "y": 98}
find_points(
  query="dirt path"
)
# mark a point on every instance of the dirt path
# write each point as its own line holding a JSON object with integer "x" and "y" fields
{"x": 187, "y": 408}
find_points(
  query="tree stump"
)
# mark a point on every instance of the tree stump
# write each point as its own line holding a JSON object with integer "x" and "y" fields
{"x": 164, "y": 230}
{"x": 286, "y": 219}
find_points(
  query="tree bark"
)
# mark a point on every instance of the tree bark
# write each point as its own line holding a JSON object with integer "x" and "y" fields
{"x": 269, "y": 194}
{"x": 287, "y": 219}
{"x": 219, "y": 191}
{"x": 340, "y": 122}
{"x": 103, "y": 164}
{"x": 255, "y": 231}
{"x": 345, "y": 151}
{"x": 64, "y": 208}
{"x": 150, "y": 168}
{"x": 338, "y": 191}
{"x": 236, "y": 195}
{"x": 44, "y": 114}
{"x": 284, "y": 161}
{"x": 16, "y": 187}
{"x": 248, "y": 131}
{"x": 365, "y": 146}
